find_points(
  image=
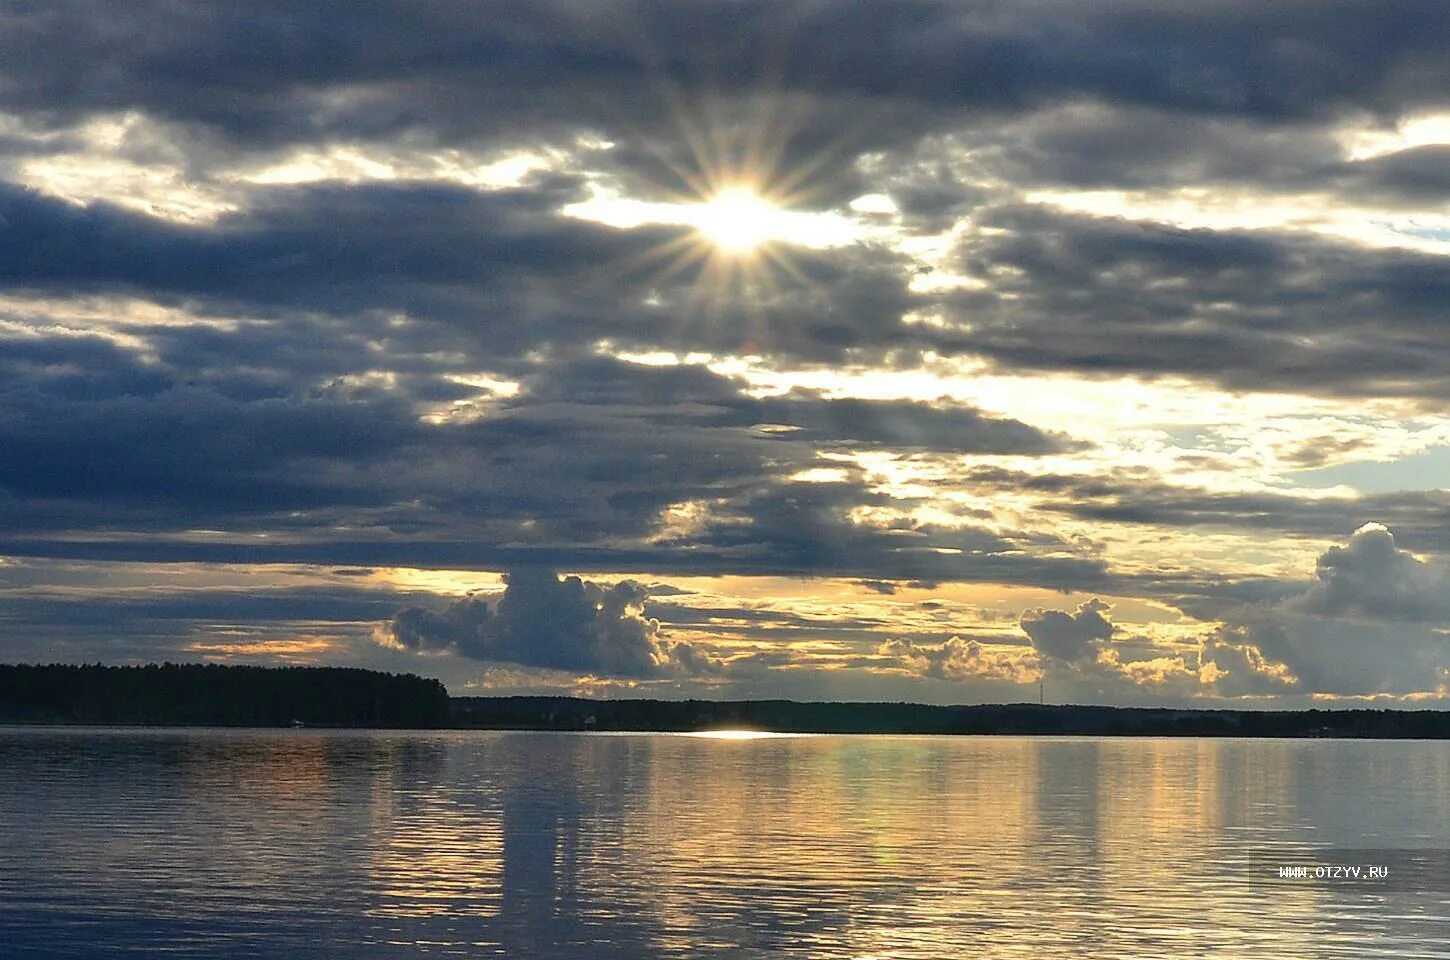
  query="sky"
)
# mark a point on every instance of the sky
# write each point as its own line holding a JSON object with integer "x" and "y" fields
{"x": 947, "y": 352}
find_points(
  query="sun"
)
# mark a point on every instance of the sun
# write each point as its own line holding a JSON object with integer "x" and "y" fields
{"x": 747, "y": 224}
{"x": 736, "y": 221}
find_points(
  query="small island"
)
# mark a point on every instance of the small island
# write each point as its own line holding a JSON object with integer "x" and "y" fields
{"x": 245, "y": 696}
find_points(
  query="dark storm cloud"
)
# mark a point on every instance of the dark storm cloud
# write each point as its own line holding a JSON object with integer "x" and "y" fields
{"x": 115, "y": 614}
{"x": 1106, "y": 147}
{"x": 578, "y": 469}
{"x": 543, "y": 621}
{"x": 1101, "y": 146}
{"x": 503, "y": 269}
{"x": 791, "y": 528}
{"x": 951, "y": 555}
{"x": 672, "y": 394}
{"x": 1249, "y": 309}
{"x": 901, "y": 424}
{"x": 193, "y": 450}
{"x": 776, "y": 624}
{"x": 178, "y": 455}
{"x": 1422, "y": 516}
{"x": 274, "y": 71}
{"x": 442, "y": 252}
{"x": 1161, "y": 95}
{"x": 1417, "y": 175}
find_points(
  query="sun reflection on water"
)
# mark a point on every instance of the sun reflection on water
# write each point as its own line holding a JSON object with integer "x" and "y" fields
{"x": 741, "y": 734}
{"x": 649, "y": 846}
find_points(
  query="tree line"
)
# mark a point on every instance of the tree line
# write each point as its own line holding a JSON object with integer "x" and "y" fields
{"x": 191, "y": 694}
{"x": 231, "y": 696}
{"x": 570, "y": 713}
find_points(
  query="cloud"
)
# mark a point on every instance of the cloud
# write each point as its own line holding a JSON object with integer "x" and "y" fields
{"x": 1231, "y": 664}
{"x": 274, "y": 290}
{"x": 653, "y": 393}
{"x": 76, "y": 614}
{"x": 1347, "y": 658}
{"x": 1112, "y": 295}
{"x": 281, "y": 73}
{"x": 1156, "y": 152}
{"x": 585, "y": 461}
{"x": 1371, "y": 578}
{"x": 1374, "y": 623}
{"x": 1051, "y": 290}
{"x": 906, "y": 425}
{"x": 786, "y": 527}
{"x": 1123, "y": 497}
{"x": 424, "y": 630}
{"x": 1070, "y": 638}
{"x": 553, "y": 624}
{"x": 438, "y": 251}
{"x": 958, "y": 659}
{"x": 1077, "y": 659}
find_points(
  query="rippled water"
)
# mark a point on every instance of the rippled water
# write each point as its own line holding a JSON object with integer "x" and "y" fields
{"x": 313, "y": 844}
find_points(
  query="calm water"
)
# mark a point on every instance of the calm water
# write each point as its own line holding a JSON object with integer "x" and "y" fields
{"x": 311, "y": 844}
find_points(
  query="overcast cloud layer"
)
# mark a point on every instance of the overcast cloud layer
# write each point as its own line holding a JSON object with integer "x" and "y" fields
{"x": 1104, "y": 346}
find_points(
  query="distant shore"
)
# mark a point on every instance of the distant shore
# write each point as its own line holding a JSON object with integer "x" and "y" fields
{"x": 786, "y": 716}
{"x": 239, "y": 696}
{"x": 192, "y": 694}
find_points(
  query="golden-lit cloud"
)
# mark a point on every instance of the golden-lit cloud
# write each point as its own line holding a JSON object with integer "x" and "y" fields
{"x": 827, "y": 368}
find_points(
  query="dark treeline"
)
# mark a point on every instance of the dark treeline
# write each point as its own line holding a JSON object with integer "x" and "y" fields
{"x": 214, "y": 695}
{"x": 567, "y": 713}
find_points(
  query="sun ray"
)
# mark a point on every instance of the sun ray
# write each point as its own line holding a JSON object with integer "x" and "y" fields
{"x": 738, "y": 198}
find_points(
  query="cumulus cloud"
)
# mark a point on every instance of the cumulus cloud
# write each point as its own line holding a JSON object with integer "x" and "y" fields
{"x": 958, "y": 659}
{"x": 1348, "y": 657}
{"x": 1168, "y": 671}
{"x": 457, "y": 628}
{"x": 1372, "y": 624}
{"x": 1071, "y": 638}
{"x": 1370, "y": 577}
{"x": 1074, "y": 653}
{"x": 1230, "y": 663}
{"x": 554, "y": 624}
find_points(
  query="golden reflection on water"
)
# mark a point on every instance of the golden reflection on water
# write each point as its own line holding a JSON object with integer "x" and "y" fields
{"x": 726, "y": 844}
{"x": 740, "y": 734}
{"x": 882, "y": 847}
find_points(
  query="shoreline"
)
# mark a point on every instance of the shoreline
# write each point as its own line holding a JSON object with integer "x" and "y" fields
{"x": 236, "y": 697}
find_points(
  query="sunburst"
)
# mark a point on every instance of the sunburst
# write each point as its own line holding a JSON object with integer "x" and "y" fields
{"x": 744, "y": 254}
{"x": 737, "y": 221}
{"x": 753, "y": 216}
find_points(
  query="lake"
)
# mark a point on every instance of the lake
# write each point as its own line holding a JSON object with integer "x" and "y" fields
{"x": 379, "y": 845}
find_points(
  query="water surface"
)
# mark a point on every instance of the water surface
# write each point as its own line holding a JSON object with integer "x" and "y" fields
{"x": 379, "y": 845}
